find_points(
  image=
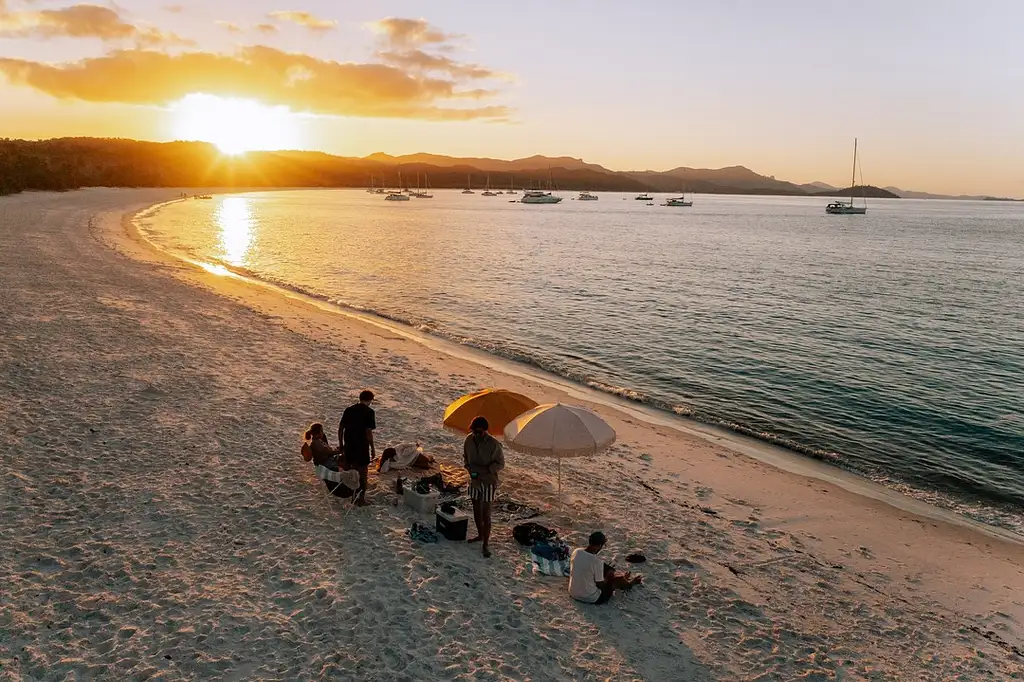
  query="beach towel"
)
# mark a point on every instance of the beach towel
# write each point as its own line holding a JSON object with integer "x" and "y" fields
{"x": 544, "y": 566}
{"x": 553, "y": 550}
{"x": 350, "y": 479}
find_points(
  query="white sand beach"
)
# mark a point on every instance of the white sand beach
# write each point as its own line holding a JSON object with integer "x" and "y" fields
{"x": 158, "y": 521}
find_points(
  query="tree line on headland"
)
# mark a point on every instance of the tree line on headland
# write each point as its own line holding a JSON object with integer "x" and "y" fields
{"x": 72, "y": 163}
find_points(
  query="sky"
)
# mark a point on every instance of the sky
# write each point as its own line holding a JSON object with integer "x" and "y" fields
{"x": 933, "y": 89}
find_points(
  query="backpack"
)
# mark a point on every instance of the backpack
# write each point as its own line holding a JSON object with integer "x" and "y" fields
{"x": 528, "y": 534}
{"x": 307, "y": 452}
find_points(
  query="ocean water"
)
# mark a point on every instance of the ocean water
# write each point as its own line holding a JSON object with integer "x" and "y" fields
{"x": 890, "y": 344}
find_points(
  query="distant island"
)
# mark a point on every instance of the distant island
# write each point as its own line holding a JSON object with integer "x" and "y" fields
{"x": 71, "y": 163}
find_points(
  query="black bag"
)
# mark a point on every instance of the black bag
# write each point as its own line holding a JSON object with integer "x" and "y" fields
{"x": 527, "y": 534}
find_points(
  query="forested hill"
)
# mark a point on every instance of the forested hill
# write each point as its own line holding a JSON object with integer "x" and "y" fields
{"x": 70, "y": 163}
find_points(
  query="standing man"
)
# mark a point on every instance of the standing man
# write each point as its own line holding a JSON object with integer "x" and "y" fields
{"x": 483, "y": 458}
{"x": 355, "y": 436}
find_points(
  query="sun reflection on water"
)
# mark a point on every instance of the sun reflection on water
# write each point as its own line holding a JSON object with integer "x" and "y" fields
{"x": 234, "y": 218}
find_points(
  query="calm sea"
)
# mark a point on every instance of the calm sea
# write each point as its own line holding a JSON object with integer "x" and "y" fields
{"x": 891, "y": 344}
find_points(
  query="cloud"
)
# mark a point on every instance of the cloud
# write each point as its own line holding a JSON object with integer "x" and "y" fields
{"x": 304, "y": 19}
{"x": 81, "y": 21}
{"x": 420, "y": 60}
{"x": 403, "y": 43}
{"x": 269, "y": 75}
{"x": 405, "y": 33}
{"x": 174, "y": 9}
{"x": 266, "y": 28}
{"x": 229, "y": 26}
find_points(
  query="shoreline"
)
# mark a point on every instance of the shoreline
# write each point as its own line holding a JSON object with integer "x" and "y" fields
{"x": 175, "y": 531}
{"x": 777, "y": 455}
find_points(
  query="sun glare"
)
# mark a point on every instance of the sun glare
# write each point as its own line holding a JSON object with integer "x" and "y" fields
{"x": 234, "y": 125}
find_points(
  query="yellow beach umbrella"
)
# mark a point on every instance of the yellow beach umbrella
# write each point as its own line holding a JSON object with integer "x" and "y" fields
{"x": 497, "y": 405}
{"x": 559, "y": 431}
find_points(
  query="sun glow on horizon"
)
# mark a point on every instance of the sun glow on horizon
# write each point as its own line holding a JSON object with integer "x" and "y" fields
{"x": 235, "y": 125}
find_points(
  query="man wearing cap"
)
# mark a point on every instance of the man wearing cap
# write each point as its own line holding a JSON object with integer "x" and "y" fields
{"x": 593, "y": 581}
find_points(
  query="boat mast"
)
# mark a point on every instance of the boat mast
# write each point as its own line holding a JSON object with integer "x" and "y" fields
{"x": 853, "y": 173}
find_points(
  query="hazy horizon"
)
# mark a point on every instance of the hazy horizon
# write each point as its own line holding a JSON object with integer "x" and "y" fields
{"x": 782, "y": 90}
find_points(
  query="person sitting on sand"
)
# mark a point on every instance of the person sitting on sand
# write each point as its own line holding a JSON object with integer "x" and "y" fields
{"x": 404, "y": 456}
{"x": 483, "y": 458}
{"x": 590, "y": 579}
{"x": 355, "y": 435}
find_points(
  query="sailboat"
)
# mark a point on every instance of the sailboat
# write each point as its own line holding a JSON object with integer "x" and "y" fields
{"x": 536, "y": 196}
{"x": 841, "y": 208}
{"x": 511, "y": 186}
{"x": 678, "y": 201}
{"x": 469, "y": 186}
{"x": 422, "y": 193}
{"x": 397, "y": 195}
{"x": 487, "y": 192}
{"x": 371, "y": 189}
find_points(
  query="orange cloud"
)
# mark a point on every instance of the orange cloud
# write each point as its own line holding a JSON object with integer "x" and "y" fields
{"x": 420, "y": 60}
{"x": 174, "y": 9}
{"x": 266, "y": 28}
{"x": 229, "y": 26}
{"x": 304, "y": 19}
{"x": 406, "y": 33}
{"x": 271, "y": 76}
{"x": 80, "y": 21}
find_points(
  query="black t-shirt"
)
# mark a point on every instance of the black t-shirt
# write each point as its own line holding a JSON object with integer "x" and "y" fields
{"x": 354, "y": 423}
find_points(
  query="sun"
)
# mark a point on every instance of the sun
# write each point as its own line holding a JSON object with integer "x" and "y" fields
{"x": 235, "y": 125}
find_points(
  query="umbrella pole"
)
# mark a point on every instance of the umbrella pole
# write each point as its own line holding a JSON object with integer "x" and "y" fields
{"x": 559, "y": 482}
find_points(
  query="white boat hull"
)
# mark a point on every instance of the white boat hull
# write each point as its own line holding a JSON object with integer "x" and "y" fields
{"x": 545, "y": 199}
{"x": 845, "y": 209}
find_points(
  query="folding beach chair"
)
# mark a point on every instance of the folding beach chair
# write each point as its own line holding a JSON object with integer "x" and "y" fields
{"x": 350, "y": 479}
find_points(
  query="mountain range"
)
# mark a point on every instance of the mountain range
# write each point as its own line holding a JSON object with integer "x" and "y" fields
{"x": 68, "y": 163}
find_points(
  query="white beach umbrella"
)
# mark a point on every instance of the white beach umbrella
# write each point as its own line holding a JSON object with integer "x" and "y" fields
{"x": 559, "y": 431}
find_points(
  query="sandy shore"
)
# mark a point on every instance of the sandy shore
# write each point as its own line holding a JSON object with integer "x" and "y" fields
{"x": 158, "y": 522}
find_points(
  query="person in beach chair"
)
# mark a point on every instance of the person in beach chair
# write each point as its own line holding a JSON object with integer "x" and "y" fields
{"x": 328, "y": 461}
{"x": 483, "y": 458}
{"x": 593, "y": 581}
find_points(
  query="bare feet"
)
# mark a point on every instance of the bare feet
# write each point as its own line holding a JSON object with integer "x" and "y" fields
{"x": 476, "y": 539}
{"x": 362, "y": 503}
{"x": 487, "y": 553}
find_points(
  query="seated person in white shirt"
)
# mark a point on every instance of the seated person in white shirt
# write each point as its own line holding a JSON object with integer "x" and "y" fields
{"x": 590, "y": 579}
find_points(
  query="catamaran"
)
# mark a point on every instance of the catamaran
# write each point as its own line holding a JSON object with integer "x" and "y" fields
{"x": 536, "y": 196}
{"x": 587, "y": 196}
{"x": 644, "y": 197}
{"x": 842, "y": 208}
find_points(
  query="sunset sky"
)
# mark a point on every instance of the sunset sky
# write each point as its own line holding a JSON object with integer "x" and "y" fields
{"x": 934, "y": 89}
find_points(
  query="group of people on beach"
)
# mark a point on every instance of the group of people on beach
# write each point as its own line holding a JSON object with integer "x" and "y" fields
{"x": 590, "y": 579}
{"x": 355, "y": 448}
